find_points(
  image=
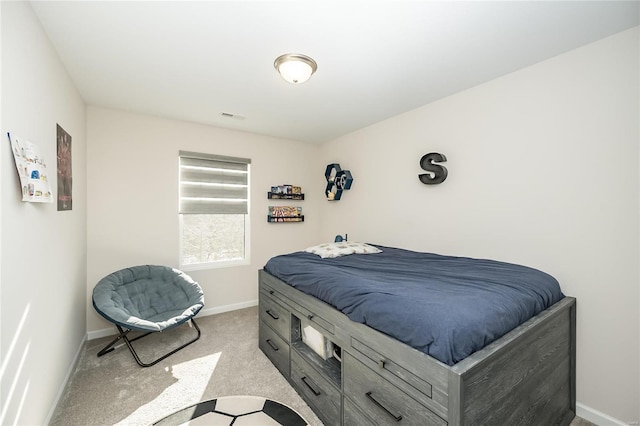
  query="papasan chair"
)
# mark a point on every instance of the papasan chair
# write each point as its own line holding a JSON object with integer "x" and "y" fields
{"x": 147, "y": 298}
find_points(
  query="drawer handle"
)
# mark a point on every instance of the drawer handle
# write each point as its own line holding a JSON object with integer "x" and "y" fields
{"x": 271, "y": 291}
{"x": 379, "y": 404}
{"x": 308, "y": 383}
{"x": 381, "y": 363}
{"x": 273, "y": 345}
{"x": 310, "y": 316}
{"x": 272, "y": 315}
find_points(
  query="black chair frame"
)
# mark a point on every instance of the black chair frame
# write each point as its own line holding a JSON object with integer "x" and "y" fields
{"x": 123, "y": 332}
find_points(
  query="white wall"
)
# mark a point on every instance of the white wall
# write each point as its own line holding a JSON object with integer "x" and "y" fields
{"x": 43, "y": 262}
{"x": 133, "y": 199}
{"x": 543, "y": 171}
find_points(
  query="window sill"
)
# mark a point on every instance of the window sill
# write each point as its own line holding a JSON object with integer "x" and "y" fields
{"x": 215, "y": 265}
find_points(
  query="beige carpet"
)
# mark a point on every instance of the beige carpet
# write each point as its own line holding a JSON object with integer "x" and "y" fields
{"x": 225, "y": 361}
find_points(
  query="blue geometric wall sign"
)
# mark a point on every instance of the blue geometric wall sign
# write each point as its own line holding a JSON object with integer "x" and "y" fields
{"x": 337, "y": 181}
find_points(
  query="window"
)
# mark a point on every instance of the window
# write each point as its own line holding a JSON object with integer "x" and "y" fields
{"x": 214, "y": 210}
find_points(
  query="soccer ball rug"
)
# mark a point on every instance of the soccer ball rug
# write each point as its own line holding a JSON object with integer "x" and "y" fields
{"x": 236, "y": 411}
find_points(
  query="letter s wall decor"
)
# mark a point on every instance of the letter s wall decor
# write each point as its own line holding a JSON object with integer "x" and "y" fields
{"x": 437, "y": 173}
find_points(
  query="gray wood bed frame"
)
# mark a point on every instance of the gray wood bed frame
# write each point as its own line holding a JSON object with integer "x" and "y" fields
{"x": 525, "y": 377}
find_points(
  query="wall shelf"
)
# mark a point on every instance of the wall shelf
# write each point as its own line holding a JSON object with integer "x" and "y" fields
{"x": 276, "y": 196}
{"x": 281, "y": 213}
{"x": 337, "y": 181}
{"x": 283, "y": 219}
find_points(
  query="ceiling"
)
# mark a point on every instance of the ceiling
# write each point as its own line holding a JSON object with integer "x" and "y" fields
{"x": 194, "y": 61}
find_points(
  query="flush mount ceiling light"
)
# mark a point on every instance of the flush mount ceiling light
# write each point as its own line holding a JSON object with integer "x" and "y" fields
{"x": 295, "y": 68}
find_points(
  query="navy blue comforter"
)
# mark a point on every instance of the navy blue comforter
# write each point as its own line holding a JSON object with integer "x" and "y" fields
{"x": 447, "y": 307}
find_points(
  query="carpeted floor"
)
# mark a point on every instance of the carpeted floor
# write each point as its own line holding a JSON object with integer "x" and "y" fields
{"x": 225, "y": 361}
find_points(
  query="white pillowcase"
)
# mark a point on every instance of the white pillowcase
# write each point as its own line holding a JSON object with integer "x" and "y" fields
{"x": 342, "y": 248}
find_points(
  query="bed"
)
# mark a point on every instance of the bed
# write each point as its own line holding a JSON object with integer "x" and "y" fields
{"x": 419, "y": 338}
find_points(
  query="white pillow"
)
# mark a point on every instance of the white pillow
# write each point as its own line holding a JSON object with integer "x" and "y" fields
{"x": 342, "y": 248}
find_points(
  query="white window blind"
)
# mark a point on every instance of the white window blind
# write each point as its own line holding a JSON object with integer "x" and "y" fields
{"x": 213, "y": 184}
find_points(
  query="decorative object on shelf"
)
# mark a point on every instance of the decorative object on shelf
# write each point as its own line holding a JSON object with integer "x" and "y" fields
{"x": 286, "y": 189}
{"x": 340, "y": 238}
{"x": 285, "y": 192}
{"x": 285, "y": 214}
{"x": 295, "y": 67}
{"x": 437, "y": 173}
{"x": 337, "y": 181}
{"x": 316, "y": 341}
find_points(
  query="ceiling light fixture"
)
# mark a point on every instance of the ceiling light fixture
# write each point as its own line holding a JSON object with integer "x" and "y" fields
{"x": 295, "y": 68}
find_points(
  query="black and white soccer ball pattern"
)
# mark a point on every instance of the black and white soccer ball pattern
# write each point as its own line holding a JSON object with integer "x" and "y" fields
{"x": 236, "y": 411}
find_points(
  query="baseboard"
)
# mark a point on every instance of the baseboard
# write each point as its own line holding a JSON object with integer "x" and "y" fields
{"x": 97, "y": 334}
{"x": 597, "y": 417}
{"x": 227, "y": 308}
{"x": 67, "y": 377}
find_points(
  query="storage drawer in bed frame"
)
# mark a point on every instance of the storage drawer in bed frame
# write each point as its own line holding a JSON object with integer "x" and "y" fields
{"x": 382, "y": 381}
{"x": 277, "y": 316}
{"x": 276, "y": 349}
{"x": 383, "y": 401}
{"x": 325, "y": 397}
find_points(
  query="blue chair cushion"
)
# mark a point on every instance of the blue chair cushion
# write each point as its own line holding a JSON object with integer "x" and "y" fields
{"x": 148, "y": 297}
